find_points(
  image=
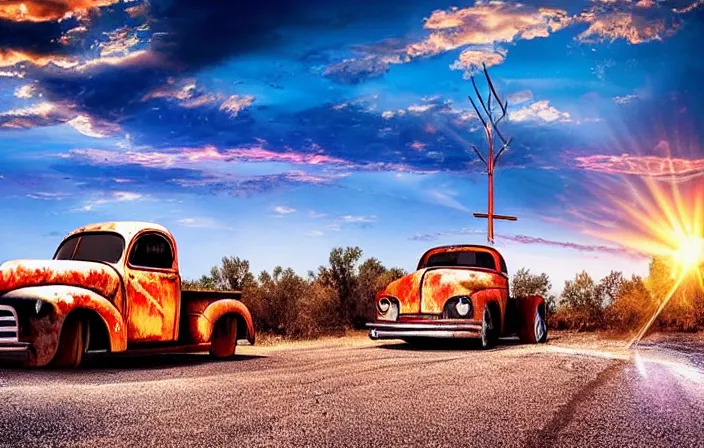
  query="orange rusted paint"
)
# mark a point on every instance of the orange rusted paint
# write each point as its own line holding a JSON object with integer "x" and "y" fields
{"x": 203, "y": 317}
{"x": 96, "y": 277}
{"x": 439, "y": 285}
{"x": 154, "y": 299}
{"x": 136, "y": 304}
{"x": 423, "y": 294}
{"x": 44, "y": 330}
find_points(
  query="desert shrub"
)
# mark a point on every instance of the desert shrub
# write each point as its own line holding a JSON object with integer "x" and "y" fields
{"x": 339, "y": 296}
{"x": 525, "y": 284}
{"x": 631, "y": 306}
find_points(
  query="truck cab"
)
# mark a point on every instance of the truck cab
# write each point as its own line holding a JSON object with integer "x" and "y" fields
{"x": 112, "y": 287}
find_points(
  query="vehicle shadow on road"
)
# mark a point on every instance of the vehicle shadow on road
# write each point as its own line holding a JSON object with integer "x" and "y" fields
{"x": 448, "y": 345}
{"x": 100, "y": 362}
{"x": 165, "y": 361}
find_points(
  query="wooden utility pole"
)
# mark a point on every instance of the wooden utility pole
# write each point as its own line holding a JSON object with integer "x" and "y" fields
{"x": 491, "y": 127}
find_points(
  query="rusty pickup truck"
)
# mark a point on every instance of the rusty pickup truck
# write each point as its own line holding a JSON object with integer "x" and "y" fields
{"x": 112, "y": 287}
{"x": 458, "y": 291}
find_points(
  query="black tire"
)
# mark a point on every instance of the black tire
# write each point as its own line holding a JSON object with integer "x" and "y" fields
{"x": 223, "y": 342}
{"x": 73, "y": 343}
{"x": 489, "y": 335}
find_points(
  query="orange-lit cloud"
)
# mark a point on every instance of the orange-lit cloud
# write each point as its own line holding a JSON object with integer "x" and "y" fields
{"x": 486, "y": 23}
{"x": 25, "y": 92}
{"x": 48, "y": 10}
{"x": 10, "y": 58}
{"x": 120, "y": 41}
{"x": 89, "y": 127}
{"x": 664, "y": 168}
{"x": 626, "y": 25}
{"x": 53, "y": 114}
{"x": 236, "y": 103}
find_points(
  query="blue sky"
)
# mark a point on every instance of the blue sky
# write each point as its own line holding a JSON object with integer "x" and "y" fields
{"x": 274, "y": 132}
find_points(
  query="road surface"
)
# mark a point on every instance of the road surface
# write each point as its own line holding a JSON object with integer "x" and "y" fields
{"x": 359, "y": 393}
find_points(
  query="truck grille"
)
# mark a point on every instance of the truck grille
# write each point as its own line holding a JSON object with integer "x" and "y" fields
{"x": 9, "y": 330}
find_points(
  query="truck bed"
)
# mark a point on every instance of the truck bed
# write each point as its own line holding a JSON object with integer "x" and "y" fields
{"x": 192, "y": 295}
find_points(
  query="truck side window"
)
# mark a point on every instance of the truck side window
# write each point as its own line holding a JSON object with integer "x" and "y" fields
{"x": 152, "y": 251}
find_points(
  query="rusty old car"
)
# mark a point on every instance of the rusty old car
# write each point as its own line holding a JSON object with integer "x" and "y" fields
{"x": 112, "y": 287}
{"x": 458, "y": 291}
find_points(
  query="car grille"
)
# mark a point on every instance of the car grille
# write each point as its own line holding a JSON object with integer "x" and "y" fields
{"x": 9, "y": 330}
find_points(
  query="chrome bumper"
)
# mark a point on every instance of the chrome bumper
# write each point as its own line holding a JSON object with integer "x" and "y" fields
{"x": 10, "y": 346}
{"x": 470, "y": 329}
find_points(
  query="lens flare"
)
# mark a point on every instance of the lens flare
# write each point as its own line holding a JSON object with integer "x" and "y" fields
{"x": 658, "y": 218}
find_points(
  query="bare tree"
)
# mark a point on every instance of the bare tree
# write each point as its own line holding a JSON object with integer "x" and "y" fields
{"x": 491, "y": 128}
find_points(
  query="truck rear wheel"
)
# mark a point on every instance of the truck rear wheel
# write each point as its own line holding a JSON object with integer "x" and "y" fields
{"x": 223, "y": 342}
{"x": 73, "y": 342}
{"x": 534, "y": 329}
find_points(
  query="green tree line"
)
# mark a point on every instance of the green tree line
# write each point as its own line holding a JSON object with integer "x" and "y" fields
{"x": 341, "y": 296}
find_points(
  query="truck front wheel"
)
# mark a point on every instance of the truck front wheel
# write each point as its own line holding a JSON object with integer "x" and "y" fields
{"x": 73, "y": 342}
{"x": 223, "y": 342}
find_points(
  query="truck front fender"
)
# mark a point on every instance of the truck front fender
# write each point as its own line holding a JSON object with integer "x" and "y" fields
{"x": 45, "y": 327}
{"x": 202, "y": 324}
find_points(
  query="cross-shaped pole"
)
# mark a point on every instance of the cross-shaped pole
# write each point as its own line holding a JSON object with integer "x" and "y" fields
{"x": 490, "y": 127}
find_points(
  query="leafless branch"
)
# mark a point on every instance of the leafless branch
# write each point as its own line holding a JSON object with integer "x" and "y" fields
{"x": 476, "y": 109}
{"x": 479, "y": 95}
{"x": 501, "y": 151}
{"x": 480, "y": 156}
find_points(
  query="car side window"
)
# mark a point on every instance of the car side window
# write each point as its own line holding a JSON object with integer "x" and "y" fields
{"x": 152, "y": 251}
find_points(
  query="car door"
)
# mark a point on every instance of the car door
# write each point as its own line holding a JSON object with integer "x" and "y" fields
{"x": 153, "y": 288}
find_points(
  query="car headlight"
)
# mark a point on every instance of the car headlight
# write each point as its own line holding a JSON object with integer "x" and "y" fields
{"x": 384, "y": 305}
{"x": 38, "y": 306}
{"x": 463, "y": 306}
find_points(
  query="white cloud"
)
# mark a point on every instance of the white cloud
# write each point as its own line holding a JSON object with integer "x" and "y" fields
{"x": 315, "y": 233}
{"x": 358, "y": 219}
{"x": 539, "y": 111}
{"x": 284, "y": 210}
{"x": 25, "y": 92}
{"x": 202, "y": 223}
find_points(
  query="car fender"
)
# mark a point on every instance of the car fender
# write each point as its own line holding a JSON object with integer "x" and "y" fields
{"x": 45, "y": 328}
{"x": 202, "y": 325}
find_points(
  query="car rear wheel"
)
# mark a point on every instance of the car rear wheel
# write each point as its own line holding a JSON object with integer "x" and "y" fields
{"x": 535, "y": 330}
{"x": 488, "y": 329}
{"x": 73, "y": 342}
{"x": 224, "y": 339}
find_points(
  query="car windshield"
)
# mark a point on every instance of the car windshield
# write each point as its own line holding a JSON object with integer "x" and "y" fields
{"x": 107, "y": 247}
{"x": 474, "y": 259}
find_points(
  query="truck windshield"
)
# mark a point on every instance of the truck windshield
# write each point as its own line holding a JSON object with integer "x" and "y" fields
{"x": 98, "y": 246}
{"x": 473, "y": 259}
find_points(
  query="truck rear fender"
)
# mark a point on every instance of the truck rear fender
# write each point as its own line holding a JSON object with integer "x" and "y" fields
{"x": 201, "y": 327}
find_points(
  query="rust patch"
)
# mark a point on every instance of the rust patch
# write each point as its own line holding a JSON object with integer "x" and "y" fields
{"x": 153, "y": 302}
{"x": 442, "y": 284}
{"x": 407, "y": 291}
{"x": 24, "y": 273}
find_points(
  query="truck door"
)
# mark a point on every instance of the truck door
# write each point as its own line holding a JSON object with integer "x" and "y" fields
{"x": 153, "y": 288}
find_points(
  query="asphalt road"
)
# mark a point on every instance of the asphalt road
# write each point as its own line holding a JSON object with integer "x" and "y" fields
{"x": 357, "y": 393}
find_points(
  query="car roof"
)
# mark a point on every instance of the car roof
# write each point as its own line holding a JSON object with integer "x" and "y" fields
{"x": 127, "y": 229}
{"x": 458, "y": 247}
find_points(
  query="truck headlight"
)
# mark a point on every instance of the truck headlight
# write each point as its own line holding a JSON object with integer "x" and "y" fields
{"x": 463, "y": 306}
{"x": 384, "y": 305}
{"x": 38, "y": 306}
